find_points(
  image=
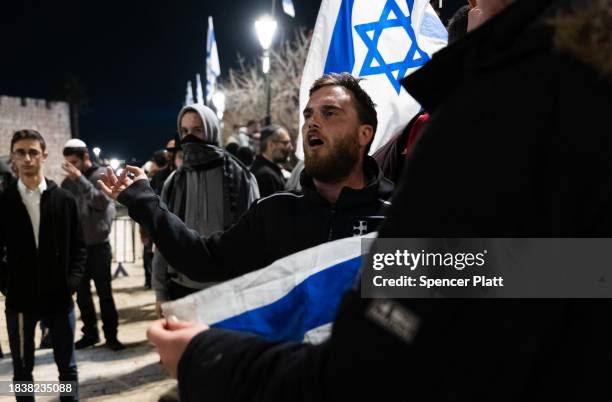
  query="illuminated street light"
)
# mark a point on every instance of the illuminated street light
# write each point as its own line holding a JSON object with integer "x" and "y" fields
{"x": 266, "y": 27}
{"x": 218, "y": 100}
{"x": 114, "y": 163}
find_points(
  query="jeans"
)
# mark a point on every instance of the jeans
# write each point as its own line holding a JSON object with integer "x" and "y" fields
{"x": 98, "y": 268}
{"x": 62, "y": 326}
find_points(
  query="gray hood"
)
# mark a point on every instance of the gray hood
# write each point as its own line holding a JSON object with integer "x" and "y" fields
{"x": 209, "y": 118}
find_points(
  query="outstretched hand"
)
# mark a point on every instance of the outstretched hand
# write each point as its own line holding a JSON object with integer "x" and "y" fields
{"x": 112, "y": 185}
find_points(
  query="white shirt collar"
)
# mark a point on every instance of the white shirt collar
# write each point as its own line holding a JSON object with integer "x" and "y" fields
{"x": 24, "y": 190}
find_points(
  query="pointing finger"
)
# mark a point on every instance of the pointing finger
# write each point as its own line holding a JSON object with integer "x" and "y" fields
{"x": 105, "y": 189}
{"x": 112, "y": 179}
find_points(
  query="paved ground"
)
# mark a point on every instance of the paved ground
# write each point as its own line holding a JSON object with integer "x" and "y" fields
{"x": 133, "y": 374}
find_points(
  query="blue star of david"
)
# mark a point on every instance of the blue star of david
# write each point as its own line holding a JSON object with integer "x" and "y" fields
{"x": 414, "y": 58}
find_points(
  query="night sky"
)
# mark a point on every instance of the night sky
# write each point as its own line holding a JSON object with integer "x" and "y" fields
{"x": 132, "y": 58}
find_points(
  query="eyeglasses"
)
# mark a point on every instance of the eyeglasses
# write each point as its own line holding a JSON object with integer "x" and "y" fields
{"x": 21, "y": 153}
{"x": 285, "y": 143}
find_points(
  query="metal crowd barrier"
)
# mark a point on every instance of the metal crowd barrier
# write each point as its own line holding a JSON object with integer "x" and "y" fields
{"x": 124, "y": 241}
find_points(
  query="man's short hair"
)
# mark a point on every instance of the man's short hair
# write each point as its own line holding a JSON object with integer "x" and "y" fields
{"x": 28, "y": 135}
{"x": 251, "y": 122}
{"x": 160, "y": 158}
{"x": 232, "y": 148}
{"x": 245, "y": 155}
{"x": 366, "y": 109}
{"x": 268, "y": 133}
{"x": 171, "y": 149}
{"x": 79, "y": 152}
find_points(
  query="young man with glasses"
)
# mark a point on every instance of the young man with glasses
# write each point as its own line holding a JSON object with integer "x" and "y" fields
{"x": 42, "y": 255}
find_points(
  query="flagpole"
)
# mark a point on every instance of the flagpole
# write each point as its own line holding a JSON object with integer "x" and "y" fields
{"x": 268, "y": 83}
{"x": 205, "y": 88}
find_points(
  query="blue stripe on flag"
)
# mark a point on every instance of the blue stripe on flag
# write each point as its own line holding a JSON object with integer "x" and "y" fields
{"x": 311, "y": 304}
{"x": 341, "y": 56}
{"x": 410, "y": 6}
{"x": 433, "y": 27}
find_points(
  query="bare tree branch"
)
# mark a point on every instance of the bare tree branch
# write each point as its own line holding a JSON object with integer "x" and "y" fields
{"x": 245, "y": 90}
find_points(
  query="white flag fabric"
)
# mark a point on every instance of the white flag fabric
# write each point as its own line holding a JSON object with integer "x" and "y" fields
{"x": 213, "y": 68}
{"x": 199, "y": 90}
{"x": 288, "y": 8}
{"x": 293, "y": 299}
{"x": 189, "y": 94}
{"x": 379, "y": 40}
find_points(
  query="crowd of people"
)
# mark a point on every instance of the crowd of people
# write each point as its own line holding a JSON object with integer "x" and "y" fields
{"x": 512, "y": 141}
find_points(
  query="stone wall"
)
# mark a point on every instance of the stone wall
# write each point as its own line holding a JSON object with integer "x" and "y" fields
{"x": 51, "y": 119}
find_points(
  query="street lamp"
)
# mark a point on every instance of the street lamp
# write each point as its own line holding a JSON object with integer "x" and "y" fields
{"x": 266, "y": 27}
{"x": 114, "y": 163}
{"x": 96, "y": 152}
{"x": 218, "y": 100}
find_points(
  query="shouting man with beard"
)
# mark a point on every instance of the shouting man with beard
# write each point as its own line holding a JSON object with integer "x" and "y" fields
{"x": 343, "y": 193}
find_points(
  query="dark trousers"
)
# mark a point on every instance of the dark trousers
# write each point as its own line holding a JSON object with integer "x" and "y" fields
{"x": 62, "y": 326}
{"x": 98, "y": 268}
{"x": 147, "y": 260}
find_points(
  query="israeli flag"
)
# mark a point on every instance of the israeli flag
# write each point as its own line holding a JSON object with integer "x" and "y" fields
{"x": 379, "y": 40}
{"x": 199, "y": 90}
{"x": 213, "y": 68}
{"x": 288, "y": 8}
{"x": 293, "y": 299}
{"x": 189, "y": 94}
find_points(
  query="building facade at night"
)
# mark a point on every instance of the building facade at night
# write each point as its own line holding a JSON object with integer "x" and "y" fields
{"x": 51, "y": 119}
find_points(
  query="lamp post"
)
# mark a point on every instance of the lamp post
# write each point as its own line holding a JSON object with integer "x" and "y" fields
{"x": 266, "y": 27}
{"x": 96, "y": 152}
{"x": 115, "y": 163}
{"x": 218, "y": 100}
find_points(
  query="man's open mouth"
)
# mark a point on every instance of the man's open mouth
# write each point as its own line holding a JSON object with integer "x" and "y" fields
{"x": 314, "y": 141}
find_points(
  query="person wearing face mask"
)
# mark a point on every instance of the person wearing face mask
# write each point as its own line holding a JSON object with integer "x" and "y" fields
{"x": 209, "y": 192}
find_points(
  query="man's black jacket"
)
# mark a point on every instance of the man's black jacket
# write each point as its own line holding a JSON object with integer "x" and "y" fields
{"x": 274, "y": 227}
{"x": 518, "y": 144}
{"x": 42, "y": 280}
{"x": 269, "y": 176}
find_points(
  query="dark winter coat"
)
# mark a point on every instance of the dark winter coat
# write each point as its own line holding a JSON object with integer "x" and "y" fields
{"x": 269, "y": 176}
{"x": 40, "y": 280}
